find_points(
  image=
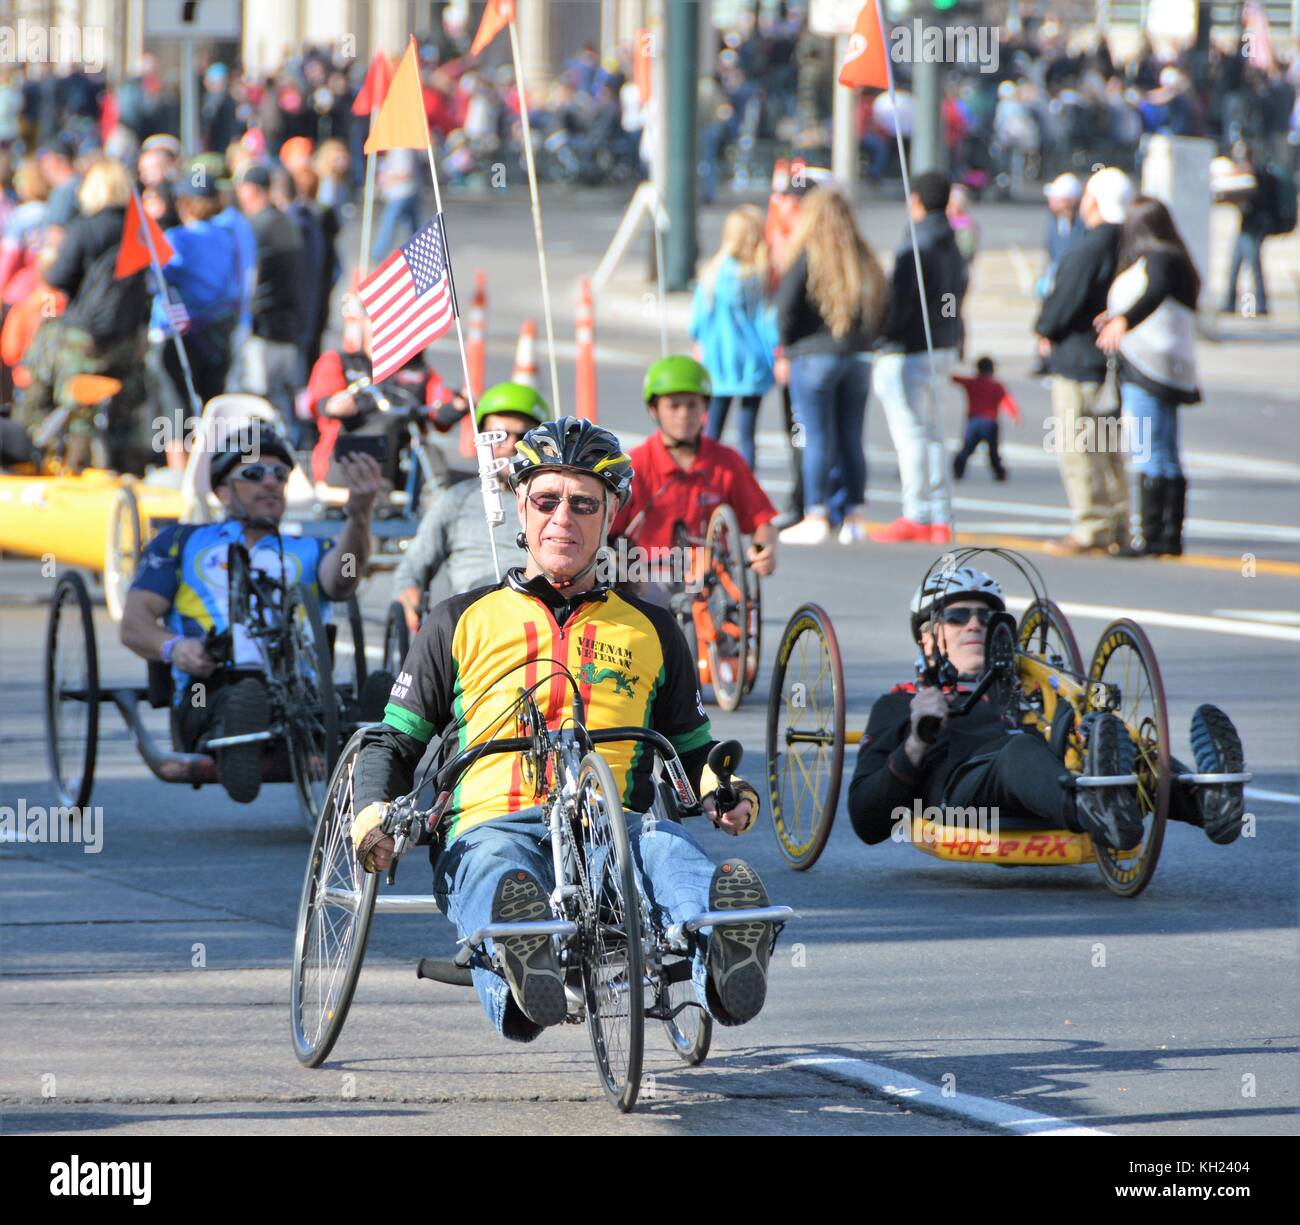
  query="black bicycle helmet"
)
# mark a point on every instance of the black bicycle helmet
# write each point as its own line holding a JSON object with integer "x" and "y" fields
{"x": 251, "y": 442}
{"x": 573, "y": 445}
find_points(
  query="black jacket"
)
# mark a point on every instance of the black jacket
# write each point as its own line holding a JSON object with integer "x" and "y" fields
{"x": 1078, "y": 296}
{"x": 107, "y": 308}
{"x": 279, "y": 292}
{"x": 945, "y": 288}
{"x": 885, "y": 779}
{"x": 800, "y": 325}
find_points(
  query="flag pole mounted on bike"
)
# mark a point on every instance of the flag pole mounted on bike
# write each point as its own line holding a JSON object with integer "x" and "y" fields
{"x": 497, "y": 16}
{"x": 411, "y": 297}
{"x": 866, "y": 66}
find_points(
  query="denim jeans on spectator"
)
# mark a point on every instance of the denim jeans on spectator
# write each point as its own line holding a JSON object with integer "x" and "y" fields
{"x": 719, "y": 406}
{"x": 675, "y": 874}
{"x": 1247, "y": 250}
{"x": 902, "y": 383}
{"x": 406, "y": 208}
{"x": 1153, "y": 432}
{"x": 829, "y": 392}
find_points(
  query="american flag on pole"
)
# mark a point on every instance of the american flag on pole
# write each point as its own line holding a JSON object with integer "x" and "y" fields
{"x": 409, "y": 300}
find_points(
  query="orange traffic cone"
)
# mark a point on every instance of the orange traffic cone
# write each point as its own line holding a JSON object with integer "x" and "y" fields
{"x": 475, "y": 357}
{"x": 525, "y": 370}
{"x": 585, "y": 328}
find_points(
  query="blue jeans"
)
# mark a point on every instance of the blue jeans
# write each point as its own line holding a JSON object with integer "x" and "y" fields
{"x": 1247, "y": 250}
{"x": 1153, "y": 430}
{"x": 405, "y": 209}
{"x": 719, "y": 406}
{"x": 674, "y": 875}
{"x": 829, "y": 394}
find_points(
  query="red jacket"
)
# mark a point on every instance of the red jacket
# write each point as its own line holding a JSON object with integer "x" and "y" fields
{"x": 985, "y": 396}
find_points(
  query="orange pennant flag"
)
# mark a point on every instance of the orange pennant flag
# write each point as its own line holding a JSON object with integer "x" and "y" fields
{"x": 133, "y": 252}
{"x": 865, "y": 65}
{"x": 497, "y": 15}
{"x": 401, "y": 123}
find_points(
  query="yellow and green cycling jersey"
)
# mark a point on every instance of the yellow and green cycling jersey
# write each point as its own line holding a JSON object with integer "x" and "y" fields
{"x": 476, "y": 652}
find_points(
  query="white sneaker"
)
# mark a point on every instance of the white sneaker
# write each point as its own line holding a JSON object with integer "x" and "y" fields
{"x": 811, "y": 529}
{"x": 853, "y": 530}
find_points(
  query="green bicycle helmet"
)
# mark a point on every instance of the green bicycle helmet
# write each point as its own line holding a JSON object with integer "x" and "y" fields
{"x": 512, "y": 398}
{"x": 573, "y": 445}
{"x": 677, "y": 374}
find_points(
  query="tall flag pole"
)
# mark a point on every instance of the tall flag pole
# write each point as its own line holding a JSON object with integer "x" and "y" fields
{"x": 499, "y": 15}
{"x": 403, "y": 124}
{"x": 866, "y": 66}
{"x": 370, "y": 97}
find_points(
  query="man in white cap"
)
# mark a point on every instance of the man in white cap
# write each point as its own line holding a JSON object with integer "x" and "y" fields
{"x": 1063, "y": 226}
{"x": 1091, "y": 469}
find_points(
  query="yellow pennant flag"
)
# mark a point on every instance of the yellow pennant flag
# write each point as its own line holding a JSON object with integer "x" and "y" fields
{"x": 402, "y": 123}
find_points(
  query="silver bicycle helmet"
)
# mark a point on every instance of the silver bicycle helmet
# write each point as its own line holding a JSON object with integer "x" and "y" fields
{"x": 944, "y": 587}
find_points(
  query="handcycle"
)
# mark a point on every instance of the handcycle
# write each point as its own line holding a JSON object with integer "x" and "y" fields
{"x": 1031, "y": 667}
{"x": 720, "y": 607}
{"x": 298, "y": 651}
{"x": 624, "y": 963}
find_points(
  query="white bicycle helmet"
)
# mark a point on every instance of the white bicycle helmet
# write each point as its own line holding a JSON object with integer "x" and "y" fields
{"x": 944, "y": 587}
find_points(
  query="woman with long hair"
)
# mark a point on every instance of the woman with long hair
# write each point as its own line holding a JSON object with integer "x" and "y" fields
{"x": 733, "y": 326}
{"x": 1150, "y": 325}
{"x": 829, "y": 307}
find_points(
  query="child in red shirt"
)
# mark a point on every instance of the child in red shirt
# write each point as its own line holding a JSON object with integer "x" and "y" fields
{"x": 985, "y": 396}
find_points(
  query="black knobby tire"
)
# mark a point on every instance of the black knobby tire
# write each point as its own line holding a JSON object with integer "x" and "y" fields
{"x": 312, "y": 714}
{"x": 805, "y": 736}
{"x": 728, "y": 599}
{"x": 334, "y": 913}
{"x": 71, "y": 691}
{"x": 397, "y": 639}
{"x": 613, "y": 964}
{"x": 1125, "y": 658}
{"x": 353, "y": 667}
{"x": 1000, "y": 655}
{"x": 1044, "y": 632}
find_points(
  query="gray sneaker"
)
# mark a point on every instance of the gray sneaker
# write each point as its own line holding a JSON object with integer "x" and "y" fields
{"x": 1110, "y": 815}
{"x": 531, "y": 967}
{"x": 738, "y": 952}
{"x": 1218, "y": 751}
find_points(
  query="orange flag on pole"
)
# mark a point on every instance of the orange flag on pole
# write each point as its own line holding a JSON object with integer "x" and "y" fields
{"x": 865, "y": 66}
{"x": 497, "y": 15}
{"x": 401, "y": 123}
{"x": 375, "y": 87}
{"x": 133, "y": 253}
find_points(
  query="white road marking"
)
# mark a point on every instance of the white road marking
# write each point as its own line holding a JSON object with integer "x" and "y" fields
{"x": 1273, "y": 616}
{"x": 1271, "y": 797}
{"x": 921, "y": 1094}
{"x": 1178, "y": 621}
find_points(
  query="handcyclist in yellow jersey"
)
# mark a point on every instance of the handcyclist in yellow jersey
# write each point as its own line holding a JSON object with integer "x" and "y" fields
{"x": 461, "y": 678}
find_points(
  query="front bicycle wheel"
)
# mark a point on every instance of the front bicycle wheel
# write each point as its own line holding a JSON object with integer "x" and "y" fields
{"x": 613, "y": 963}
{"x": 1126, "y": 679}
{"x": 805, "y": 736}
{"x": 1045, "y": 634}
{"x": 311, "y": 713}
{"x": 122, "y": 548}
{"x": 728, "y": 607}
{"x": 334, "y": 913}
{"x": 71, "y": 692}
{"x": 754, "y": 653}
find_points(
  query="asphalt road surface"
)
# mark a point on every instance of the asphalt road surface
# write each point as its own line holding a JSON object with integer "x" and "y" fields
{"x": 146, "y": 985}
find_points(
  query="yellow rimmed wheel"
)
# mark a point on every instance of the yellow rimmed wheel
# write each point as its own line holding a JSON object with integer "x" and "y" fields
{"x": 805, "y": 736}
{"x": 1125, "y": 678}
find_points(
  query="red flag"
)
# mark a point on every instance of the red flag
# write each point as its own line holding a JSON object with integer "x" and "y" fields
{"x": 865, "y": 65}
{"x": 497, "y": 15}
{"x": 374, "y": 89}
{"x": 133, "y": 253}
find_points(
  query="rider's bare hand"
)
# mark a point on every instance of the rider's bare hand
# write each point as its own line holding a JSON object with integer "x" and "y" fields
{"x": 381, "y": 854}
{"x": 735, "y": 821}
{"x": 762, "y": 560}
{"x": 409, "y": 599}
{"x": 190, "y": 657}
{"x": 363, "y": 477}
{"x": 342, "y": 404}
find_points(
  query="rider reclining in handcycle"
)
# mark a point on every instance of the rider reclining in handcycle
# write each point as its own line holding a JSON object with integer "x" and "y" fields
{"x": 464, "y": 669}
{"x": 980, "y": 760}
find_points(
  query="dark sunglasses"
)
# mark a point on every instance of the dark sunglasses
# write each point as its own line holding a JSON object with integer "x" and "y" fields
{"x": 579, "y": 503}
{"x": 962, "y": 616}
{"x": 258, "y": 472}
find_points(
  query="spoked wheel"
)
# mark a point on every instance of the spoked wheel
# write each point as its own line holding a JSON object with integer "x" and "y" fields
{"x": 613, "y": 967}
{"x": 728, "y": 602}
{"x": 311, "y": 714}
{"x": 1045, "y": 634}
{"x": 1125, "y": 661}
{"x": 805, "y": 735}
{"x": 397, "y": 639}
{"x": 754, "y": 654}
{"x": 338, "y": 900}
{"x": 121, "y": 549}
{"x": 691, "y": 1030}
{"x": 1000, "y": 656}
{"x": 71, "y": 692}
